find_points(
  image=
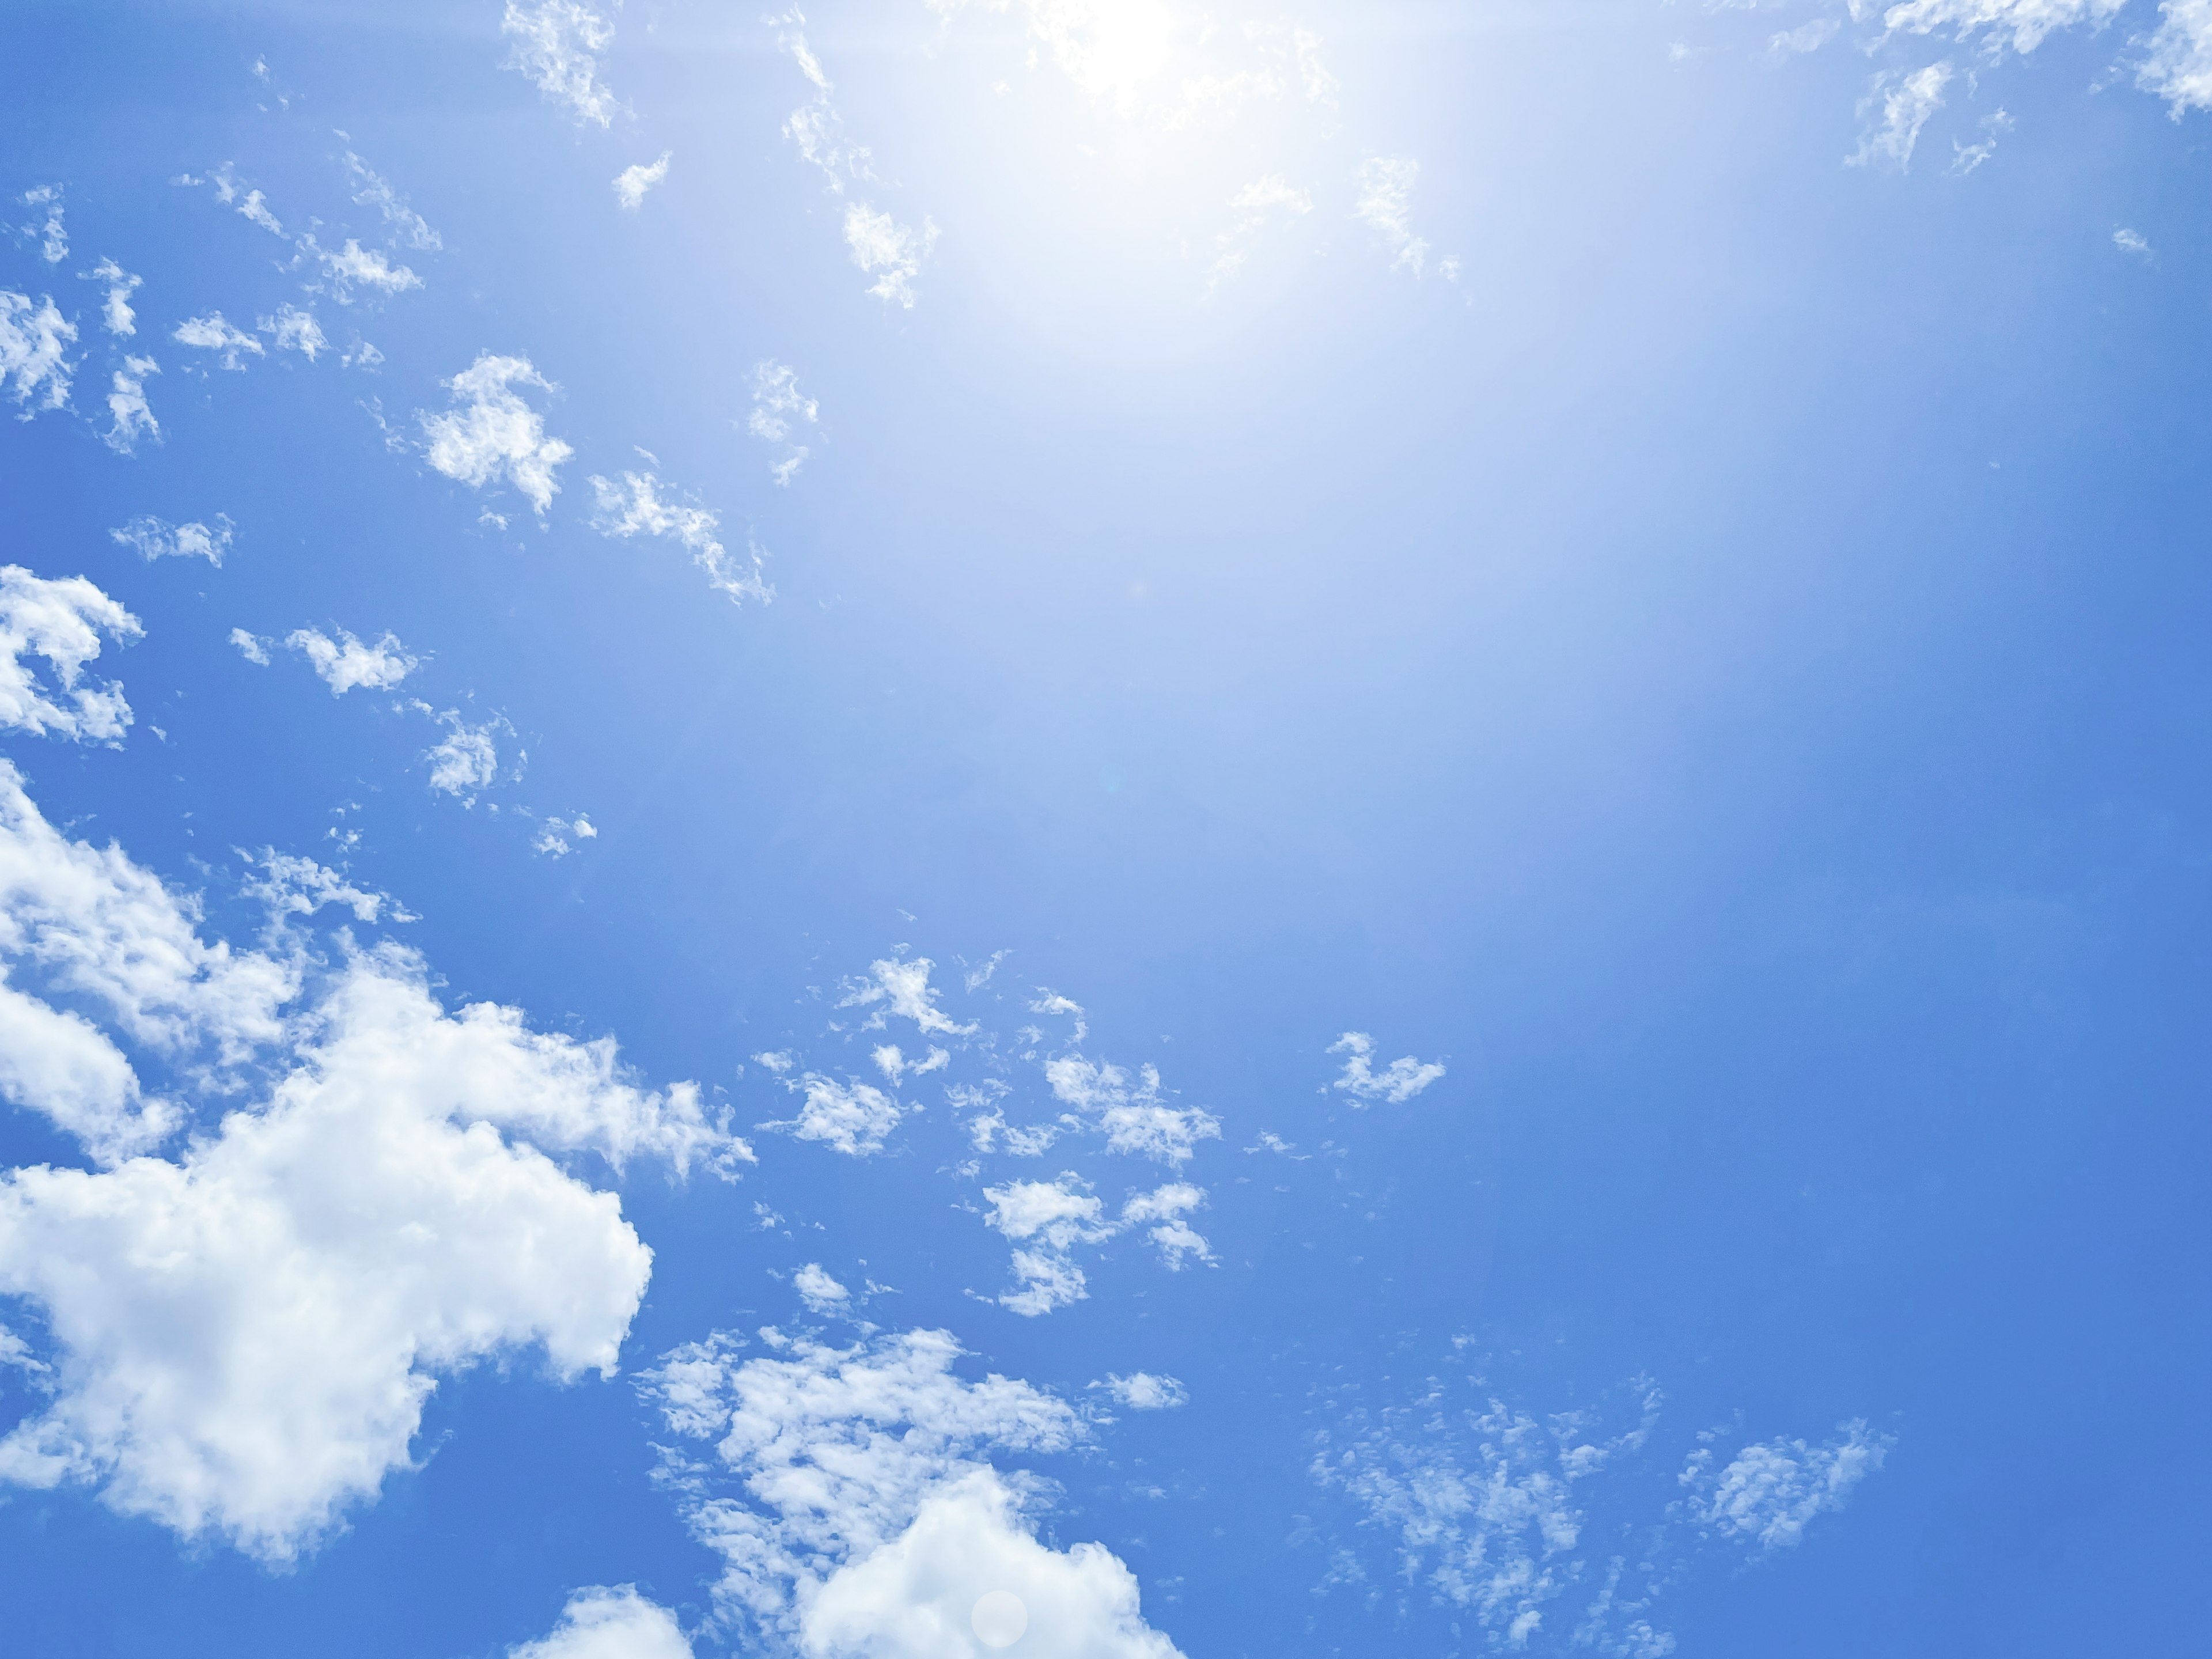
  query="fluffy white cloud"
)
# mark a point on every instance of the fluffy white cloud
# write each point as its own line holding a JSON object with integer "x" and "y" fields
{"x": 48, "y": 227}
{"x": 554, "y": 41}
{"x": 632, "y": 182}
{"x": 850, "y": 1117}
{"x": 1397, "y": 1083}
{"x": 34, "y": 365}
{"x": 778, "y": 406}
{"x": 890, "y": 1059}
{"x": 62, "y": 1067}
{"x": 2178, "y": 66}
{"x": 213, "y": 333}
{"x": 115, "y": 312}
{"x": 251, "y": 647}
{"x": 345, "y": 662}
{"x": 1386, "y": 197}
{"x": 2020, "y": 24}
{"x": 156, "y": 538}
{"x": 890, "y": 252}
{"x": 1134, "y": 1118}
{"x": 296, "y": 330}
{"x": 1905, "y": 102}
{"x": 490, "y": 434}
{"x": 902, "y": 989}
{"x": 636, "y": 507}
{"x": 405, "y": 224}
{"x": 819, "y": 1291}
{"x": 1048, "y": 1219}
{"x": 131, "y": 417}
{"x": 610, "y": 1624}
{"x": 554, "y": 838}
{"x": 1141, "y": 1391}
{"x": 355, "y": 266}
{"x": 60, "y": 620}
{"x": 1770, "y": 1493}
{"x": 467, "y": 758}
{"x": 290, "y": 885}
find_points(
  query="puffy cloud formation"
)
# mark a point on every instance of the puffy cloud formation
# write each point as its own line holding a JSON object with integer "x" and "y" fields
{"x": 1140, "y": 1391}
{"x": 635, "y": 507}
{"x": 553, "y": 837}
{"x": 554, "y": 41}
{"x": 60, "y": 620}
{"x": 1770, "y": 1493}
{"x": 632, "y": 182}
{"x": 851, "y": 1117}
{"x": 251, "y": 647}
{"x": 213, "y": 333}
{"x": 115, "y": 313}
{"x": 890, "y": 1059}
{"x": 345, "y": 662}
{"x": 154, "y": 538}
{"x": 241, "y": 1338}
{"x": 610, "y": 1624}
{"x": 290, "y": 885}
{"x": 1905, "y": 102}
{"x": 846, "y": 1491}
{"x": 131, "y": 417}
{"x": 490, "y": 434}
{"x": 467, "y": 759}
{"x": 1048, "y": 1219}
{"x": 902, "y": 989}
{"x": 1133, "y": 1116}
{"x": 2178, "y": 66}
{"x": 295, "y": 331}
{"x": 353, "y": 266}
{"x": 890, "y": 252}
{"x": 35, "y": 366}
{"x": 1397, "y": 1083}
{"x": 821, "y": 1292}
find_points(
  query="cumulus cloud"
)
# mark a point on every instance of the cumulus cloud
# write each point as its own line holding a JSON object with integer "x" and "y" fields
{"x": 1141, "y": 1391}
{"x": 554, "y": 43}
{"x": 892, "y": 987}
{"x": 850, "y": 1117}
{"x": 467, "y": 758}
{"x": 46, "y": 226}
{"x": 345, "y": 662}
{"x": 2177, "y": 65}
{"x": 890, "y": 1059}
{"x": 1133, "y": 1115}
{"x": 212, "y": 333}
{"x": 1046, "y": 1220}
{"x": 890, "y": 252}
{"x": 296, "y": 330}
{"x": 1397, "y": 1083}
{"x": 610, "y": 1624}
{"x": 636, "y": 506}
{"x": 778, "y": 406}
{"x": 1385, "y": 205}
{"x": 1768, "y": 1494}
{"x": 35, "y": 366}
{"x": 491, "y": 435}
{"x": 131, "y": 417}
{"x": 557, "y": 837}
{"x": 1905, "y": 102}
{"x": 405, "y": 225}
{"x": 819, "y": 1291}
{"x": 61, "y": 621}
{"x": 812, "y": 1460}
{"x": 2020, "y": 24}
{"x": 115, "y": 312}
{"x": 632, "y": 182}
{"x": 353, "y": 266}
{"x": 154, "y": 538}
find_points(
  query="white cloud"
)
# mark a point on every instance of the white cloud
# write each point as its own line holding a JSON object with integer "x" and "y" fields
{"x": 490, "y": 434}
{"x": 1906, "y": 102}
{"x": 610, "y": 1624}
{"x": 1386, "y": 193}
{"x": 60, "y": 620}
{"x": 1049, "y": 1001}
{"x": 345, "y": 662}
{"x": 986, "y": 1128}
{"x": 557, "y": 836}
{"x": 636, "y": 507}
{"x": 2178, "y": 63}
{"x": 212, "y": 333}
{"x": 554, "y": 43}
{"x": 815, "y": 126}
{"x": 887, "y": 251}
{"x": 1805, "y": 37}
{"x": 902, "y": 988}
{"x": 849, "y": 1117}
{"x": 130, "y": 417}
{"x": 777, "y": 404}
{"x": 1397, "y": 1083}
{"x": 1141, "y": 1391}
{"x": 1134, "y": 1118}
{"x": 60, "y": 1064}
{"x": 819, "y": 1291}
{"x": 977, "y": 978}
{"x": 53, "y": 236}
{"x": 632, "y": 182}
{"x": 296, "y": 330}
{"x": 251, "y": 647}
{"x": 33, "y": 340}
{"x": 405, "y": 224}
{"x": 354, "y": 266}
{"x": 890, "y": 1059}
{"x": 1048, "y": 1219}
{"x": 466, "y": 759}
{"x": 1770, "y": 1493}
{"x": 1965, "y": 158}
{"x": 154, "y": 538}
{"x": 1163, "y": 1209}
{"x": 2021, "y": 24}
{"x": 115, "y": 312}
{"x": 293, "y": 886}
{"x": 250, "y": 204}
{"x": 2130, "y": 241}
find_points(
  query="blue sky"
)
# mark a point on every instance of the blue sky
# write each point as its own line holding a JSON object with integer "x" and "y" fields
{"x": 1086, "y": 828}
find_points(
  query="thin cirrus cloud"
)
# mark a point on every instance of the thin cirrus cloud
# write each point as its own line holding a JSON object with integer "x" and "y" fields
{"x": 636, "y": 506}
{"x": 1899, "y": 104}
{"x": 779, "y": 409}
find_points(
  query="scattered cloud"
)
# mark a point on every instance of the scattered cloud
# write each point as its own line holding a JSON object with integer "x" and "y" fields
{"x": 251, "y": 647}
{"x": 1263, "y": 199}
{"x": 131, "y": 417}
{"x": 353, "y": 266}
{"x": 1905, "y": 102}
{"x": 819, "y": 1291}
{"x": 1133, "y": 1115}
{"x": 636, "y": 507}
{"x": 345, "y": 662}
{"x": 406, "y": 226}
{"x": 554, "y": 41}
{"x": 2020, "y": 24}
{"x": 610, "y": 1624}
{"x": 850, "y": 1117}
{"x": 632, "y": 182}
{"x": 60, "y": 621}
{"x": 890, "y": 1059}
{"x": 491, "y": 435}
{"x": 1770, "y": 1493}
{"x": 212, "y": 333}
{"x": 467, "y": 759}
{"x": 2129, "y": 242}
{"x": 1397, "y": 1083}
{"x": 778, "y": 406}
{"x": 557, "y": 837}
{"x": 1046, "y": 1220}
{"x": 891, "y": 252}
{"x": 902, "y": 989}
{"x": 154, "y": 538}
{"x": 294, "y": 330}
{"x": 1385, "y": 195}
{"x": 2177, "y": 65}
{"x": 1965, "y": 158}
{"x": 1805, "y": 38}
{"x": 115, "y": 312}
{"x": 814, "y": 126}
{"x": 290, "y": 885}
{"x": 35, "y": 366}
{"x": 46, "y": 226}
{"x": 1140, "y": 1391}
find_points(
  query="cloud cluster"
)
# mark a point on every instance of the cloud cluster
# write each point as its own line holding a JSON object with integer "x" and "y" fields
{"x": 1133, "y": 1116}
{"x": 345, "y": 662}
{"x": 1046, "y": 1220}
{"x": 34, "y": 341}
{"x": 60, "y": 621}
{"x": 491, "y": 435}
{"x": 154, "y": 538}
{"x": 1397, "y": 1083}
{"x": 852, "y": 1117}
{"x": 1769, "y": 1493}
{"x": 895, "y": 986}
{"x": 554, "y": 43}
{"x": 636, "y": 506}
{"x": 115, "y": 312}
{"x": 230, "y": 343}
{"x": 610, "y": 1624}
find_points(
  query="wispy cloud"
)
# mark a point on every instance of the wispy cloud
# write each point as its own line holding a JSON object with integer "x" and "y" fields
{"x": 46, "y": 226}
{"x": 212, "y": 332}
{"x": 632, "y": 182}
{"x": 116, "y": 314}
{"x": 1902, "y": 103}
{"x": 636, "y": 507}
{"x": 778, "y": 406}
{"x": 154, "y": 538}
{"x": 554, "y": 43}
{"x": 34, "y": 341}
{"x": 130, "y": 417}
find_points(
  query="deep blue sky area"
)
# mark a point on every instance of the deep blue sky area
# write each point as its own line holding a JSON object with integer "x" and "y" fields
{"x": 1649, "y": 559}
